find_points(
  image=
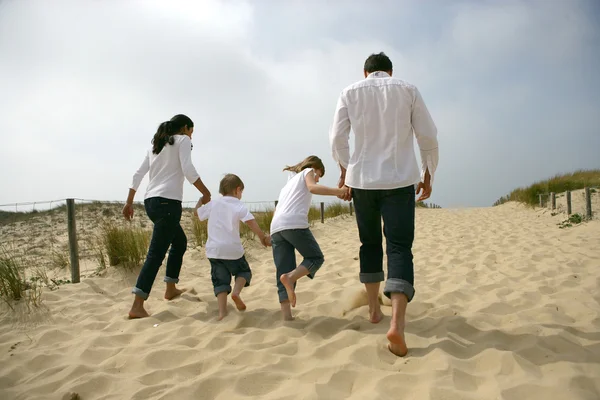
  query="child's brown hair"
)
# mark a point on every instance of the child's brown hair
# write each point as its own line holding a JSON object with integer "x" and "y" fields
{"x": 229, "y": 184}
{"x": 309, "y": 162}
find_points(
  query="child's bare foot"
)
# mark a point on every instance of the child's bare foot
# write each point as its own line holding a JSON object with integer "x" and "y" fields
{"x": 222, "y": 315}
{"x": 286, "y": 311}
{"x": 138, "y": 312}
{"x": 289, "y": 288}
{"x": 173, "y": 292}
{"x": 397, "y": 343}
{"x": 239, "y": 304}
{"x": 375, "y": 316}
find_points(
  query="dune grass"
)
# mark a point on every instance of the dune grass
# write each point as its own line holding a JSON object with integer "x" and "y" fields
{"x": 13, "y": 285}
{"x": 125, "y": 246}
{"x": 557, "y": 184}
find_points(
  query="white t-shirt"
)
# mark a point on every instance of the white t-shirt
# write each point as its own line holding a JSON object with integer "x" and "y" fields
{"x": 224, "y": 215}
{"x": 167, "y": 170}
{"x": 293, "y": 204}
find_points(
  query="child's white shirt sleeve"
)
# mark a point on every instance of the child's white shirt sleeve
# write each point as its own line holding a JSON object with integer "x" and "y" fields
{"x": 244, "y": 214}
{"x": 204, "y": 211}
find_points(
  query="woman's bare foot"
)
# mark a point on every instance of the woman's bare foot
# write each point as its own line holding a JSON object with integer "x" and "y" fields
{"x": 222, "y": 315}
{"x": 138, "y": 312}
{"x": 397, "y": 343}
{"x": 289, "y": 288}
{"x": 173, "y": 292}
{"x": 239, "y": 304}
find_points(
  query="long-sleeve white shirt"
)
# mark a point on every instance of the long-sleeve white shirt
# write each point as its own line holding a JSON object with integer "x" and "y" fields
{"x": 167, "y": 170}
{"x": 385, "y": 114}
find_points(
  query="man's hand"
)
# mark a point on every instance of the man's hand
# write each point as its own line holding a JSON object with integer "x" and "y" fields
{"x": 128, "y": 211}
{"x": 346, "y": 193}
{"x": 342, "y": 180}
{"x": 426, "y": 188}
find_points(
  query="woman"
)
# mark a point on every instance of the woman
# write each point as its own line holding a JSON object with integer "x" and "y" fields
{"x": 169, "y": 161}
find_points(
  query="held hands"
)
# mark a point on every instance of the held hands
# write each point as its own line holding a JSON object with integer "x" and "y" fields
{"x": 265, "y": 240}
{"x": 345, "y": 191}
{"x": 128, "y": 211}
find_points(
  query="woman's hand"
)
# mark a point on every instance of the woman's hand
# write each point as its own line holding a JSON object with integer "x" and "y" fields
{"x": 128, "y": 211}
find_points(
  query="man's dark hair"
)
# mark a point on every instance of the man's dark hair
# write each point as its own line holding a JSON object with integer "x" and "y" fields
{"x": 229, "y": 184}
{"x": 378, "y": 62}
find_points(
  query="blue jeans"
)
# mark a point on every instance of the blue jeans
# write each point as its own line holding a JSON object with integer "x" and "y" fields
{"x": 397, "y": 208}
{"x": 284, "y": 244}
{"x": 166, "y": 215}
{"x": 222, "y": 270}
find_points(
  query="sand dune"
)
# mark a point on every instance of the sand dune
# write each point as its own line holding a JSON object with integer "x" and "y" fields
{"x": 507, "y": 307}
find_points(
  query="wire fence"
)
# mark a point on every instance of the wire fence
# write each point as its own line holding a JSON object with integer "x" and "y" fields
{"x": 584, "y": 202}
{"x": 38, "y": 232}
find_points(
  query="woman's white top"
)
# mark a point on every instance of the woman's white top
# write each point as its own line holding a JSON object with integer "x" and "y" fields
{"x": 167, "y": 170}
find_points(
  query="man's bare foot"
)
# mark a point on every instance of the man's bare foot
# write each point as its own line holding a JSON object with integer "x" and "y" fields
{"x": 239, "y": 304}
{"x": 289, "y": 288}
{"x": 222, "y": 315}
{"x": 397, "y": 343}
{"x": 135, "y": 313}
{"x": 375, "y": 316}
{"x": 171, "y": 293}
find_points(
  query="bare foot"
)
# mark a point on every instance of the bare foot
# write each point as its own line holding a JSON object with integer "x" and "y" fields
{"x": 239, "y": 304}
{"x": 289, "y": 288}
{"x": 288, "y": 317}
{"x": 375, "y": 316}
{"x": 170, "y": 294}
{"x": 397, "y": 343}
{"x": 135, "y": 313}
{"x": 222, "y": 315}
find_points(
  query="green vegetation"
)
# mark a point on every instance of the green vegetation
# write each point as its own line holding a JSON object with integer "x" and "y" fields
{"x": 125, "y": 246}
{"x": 13, "y": 286}
{"x": 557, "y": 184}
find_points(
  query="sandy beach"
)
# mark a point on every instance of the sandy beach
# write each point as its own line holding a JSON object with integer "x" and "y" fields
{"x": 507, "y": 306}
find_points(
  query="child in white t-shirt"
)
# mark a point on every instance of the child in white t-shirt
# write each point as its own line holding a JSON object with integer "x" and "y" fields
{"x": 290, "y": 229}
{"x": 224, "y": 248}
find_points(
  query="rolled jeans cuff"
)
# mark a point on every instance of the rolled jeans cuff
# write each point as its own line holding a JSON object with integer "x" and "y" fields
{"x": 140, "y": 293}
{"x": 394, "y": 285}
{"x": 371, "y": 277}
{"x": 171, "y": 280}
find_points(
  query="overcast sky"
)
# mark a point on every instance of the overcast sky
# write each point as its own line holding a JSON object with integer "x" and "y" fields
{"x": 513, "y": 87}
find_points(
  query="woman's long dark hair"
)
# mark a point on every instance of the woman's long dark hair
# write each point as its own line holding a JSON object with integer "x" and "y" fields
{"x": 166, "y": 130}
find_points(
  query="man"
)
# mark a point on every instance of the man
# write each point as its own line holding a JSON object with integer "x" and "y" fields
{"x": 384, "y": 114}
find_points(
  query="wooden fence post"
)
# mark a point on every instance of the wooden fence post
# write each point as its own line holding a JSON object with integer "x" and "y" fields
{"x": 553, "y": 200}
{"x": 73, "y": 247}
{"x": 351, "y": 208}
{"x": 588, "y": 203}
{"x": 568, "y": 202}
{"x": 541, "y": 202}
{"x": 322, "y": 212}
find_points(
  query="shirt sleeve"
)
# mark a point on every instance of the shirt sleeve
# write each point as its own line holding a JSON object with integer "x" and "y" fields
{"x": 339, "y": 135}
{"x": 204, "y": 211}
{"x": 244, "y": 214}
{"x": 185, "y": 157}
{"x": 140, "y": 173}
{"x": 426, "y": 133}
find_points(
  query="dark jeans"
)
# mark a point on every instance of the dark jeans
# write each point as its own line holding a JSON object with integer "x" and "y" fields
{"x": 397, "y": 207}
{"x": 165, "y": 214}
{"x": 285, "y": 243}
{"x": 222, "y": 270}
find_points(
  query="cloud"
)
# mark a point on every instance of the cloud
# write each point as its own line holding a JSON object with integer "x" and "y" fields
{"x": 509, "y": 84}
